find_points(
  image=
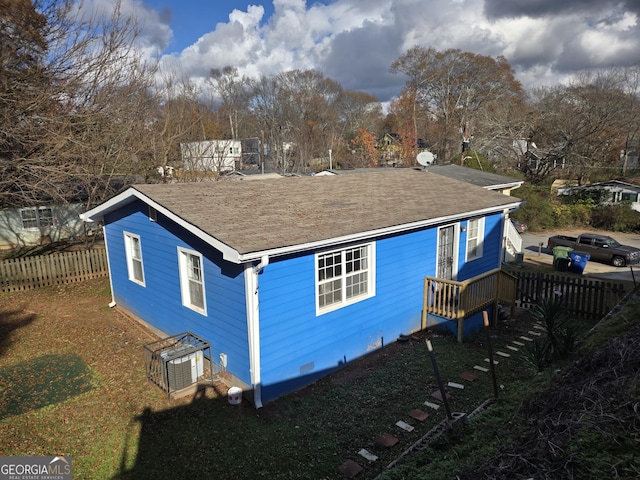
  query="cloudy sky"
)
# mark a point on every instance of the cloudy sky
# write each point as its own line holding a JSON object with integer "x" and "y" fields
{"x": 355, "y": 41}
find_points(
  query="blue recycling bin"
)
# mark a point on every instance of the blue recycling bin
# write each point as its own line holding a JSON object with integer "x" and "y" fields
{"x": 578, "y": 261}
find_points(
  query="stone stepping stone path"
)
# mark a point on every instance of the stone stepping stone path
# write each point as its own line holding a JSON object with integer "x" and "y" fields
{"x": 387, "y": 440}
{"x": 368, "y": 455}
{"x": 468, "y": 376}
{"x": 418, "y": 415}
{"x": 350, "y": 469}
{"x": 429, "y": 404}
{"x": 404, "y": 426}
{"x": 438, "y": 395}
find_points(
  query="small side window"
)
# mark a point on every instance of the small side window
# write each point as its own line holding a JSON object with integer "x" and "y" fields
{"x": 134, "y": 258}
{"x": 475, "y": 238}
{"x": 192, "y": 280}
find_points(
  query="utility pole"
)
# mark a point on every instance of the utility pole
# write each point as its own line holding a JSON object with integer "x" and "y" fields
{"x": 262, "y": 151}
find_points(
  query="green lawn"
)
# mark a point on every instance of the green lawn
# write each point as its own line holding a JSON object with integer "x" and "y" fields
{"x": 40, "y": 382}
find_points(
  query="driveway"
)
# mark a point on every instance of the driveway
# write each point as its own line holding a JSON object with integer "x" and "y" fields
{"x": 534, "y": 246}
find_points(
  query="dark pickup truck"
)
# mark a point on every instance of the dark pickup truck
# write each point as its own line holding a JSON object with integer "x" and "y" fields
{"x": 599, "y": 247}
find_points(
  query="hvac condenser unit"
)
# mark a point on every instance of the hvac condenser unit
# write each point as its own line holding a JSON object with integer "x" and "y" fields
{"x": 176, "y": 362}
{"x": 183, "y": 366}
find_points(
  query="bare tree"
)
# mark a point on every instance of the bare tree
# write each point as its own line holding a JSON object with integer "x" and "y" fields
{"x": 297, "y": 115}
{"x": 76, "y": 108}
{"x": 233, "y": 94}
{"x": 309, "y": 103}
{"x": 454, "y": 87}
{"x": 180, "y": 119}
{"x": 580, "y": 130}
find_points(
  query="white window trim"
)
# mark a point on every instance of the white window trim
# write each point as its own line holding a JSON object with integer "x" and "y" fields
{"x": 128, "y": 248}
{"x": 183, "y": 254}
{"x": 37, "y": 218}
{"x": 371, "y": 279}
{"x": 479, "y": 239}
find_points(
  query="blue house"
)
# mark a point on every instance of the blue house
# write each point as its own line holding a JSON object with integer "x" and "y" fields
{"x": 290, "y": 278}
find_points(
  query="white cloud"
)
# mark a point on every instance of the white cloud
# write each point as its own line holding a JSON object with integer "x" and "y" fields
{"x": 354, "y": 42}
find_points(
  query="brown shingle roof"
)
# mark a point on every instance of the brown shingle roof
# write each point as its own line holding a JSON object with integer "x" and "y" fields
{"x": 277, "y": 213}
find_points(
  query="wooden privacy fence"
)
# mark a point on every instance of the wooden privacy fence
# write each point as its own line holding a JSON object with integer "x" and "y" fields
{"x": 54, "y": 269}
{"x": 583, "y": 297}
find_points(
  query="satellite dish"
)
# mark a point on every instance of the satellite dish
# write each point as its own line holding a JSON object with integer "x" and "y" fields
{"x": 425, "y": 158}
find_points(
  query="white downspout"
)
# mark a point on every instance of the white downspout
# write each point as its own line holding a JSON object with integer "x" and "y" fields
{"x": 106, "y": 247}
{"x": 253, "y": 325}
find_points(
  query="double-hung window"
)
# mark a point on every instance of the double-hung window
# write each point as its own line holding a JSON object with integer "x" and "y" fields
{"x": 192, "y": 280}
{"x": 475, "y": 238}
{"x": 36, "y": 217}
{"x": 344, "y": 277}
{"x": 134, "y": 257}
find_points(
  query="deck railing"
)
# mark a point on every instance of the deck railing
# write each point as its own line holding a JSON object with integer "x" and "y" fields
{"x": 459, "y": 300}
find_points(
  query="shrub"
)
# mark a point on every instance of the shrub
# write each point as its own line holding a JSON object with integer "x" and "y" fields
{"x": 616, "y": 218}
{"x": 546, "y": 210}
{"x": 537, "y": 354}
{"x": 560, "y": 336}
{"x": 539, "y": 210}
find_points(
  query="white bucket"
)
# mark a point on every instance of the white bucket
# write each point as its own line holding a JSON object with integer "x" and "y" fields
{"x": 235, "y": 395}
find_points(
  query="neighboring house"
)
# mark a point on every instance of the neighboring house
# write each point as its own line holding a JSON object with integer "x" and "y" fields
{"x": 211, "y": 155}
{"x": 220, "y": 155}
{"x": 390, "y": 147}
{"x": 291, "y": 278}
{"x": 563, "y": 183}
{"x": 391, "y": 151}
{"x": 617, "y": 191}
{"x": 29, "y": 226}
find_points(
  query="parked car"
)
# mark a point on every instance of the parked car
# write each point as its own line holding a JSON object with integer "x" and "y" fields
{"x": 601, "y": 248}
{"x": 521, "y": 227}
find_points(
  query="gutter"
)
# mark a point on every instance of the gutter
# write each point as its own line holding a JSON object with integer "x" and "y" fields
{"x": 253, "y": 325}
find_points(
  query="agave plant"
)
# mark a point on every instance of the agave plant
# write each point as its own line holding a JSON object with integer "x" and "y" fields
{"x": 553, "y": 314}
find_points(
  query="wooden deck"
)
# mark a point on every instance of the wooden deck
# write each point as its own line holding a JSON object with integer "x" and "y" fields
{"x": 459, "y": 300}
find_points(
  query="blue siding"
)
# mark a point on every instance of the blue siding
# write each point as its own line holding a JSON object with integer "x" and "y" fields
{"x": 159, "y": 302}
{"x": 298, "y": 346}
{"x": 491, "y": 250}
